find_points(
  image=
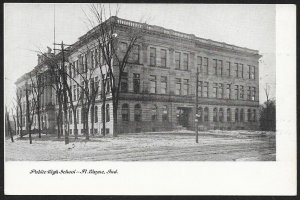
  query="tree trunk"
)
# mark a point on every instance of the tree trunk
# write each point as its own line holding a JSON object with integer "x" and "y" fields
{"x": 28, "y": 118}
{"x": 39, "y": 121}
{"x": 87, "y": 136}
{"x": 103, "y": 117}
{"x": 115, "y": 118}
{"x": 92, "y": 119}
{"x": 75, "y": 124}
{"x": 9, "y": 127}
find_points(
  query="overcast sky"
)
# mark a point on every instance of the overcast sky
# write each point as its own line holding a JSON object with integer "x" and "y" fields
{"x": 29, "y": 27}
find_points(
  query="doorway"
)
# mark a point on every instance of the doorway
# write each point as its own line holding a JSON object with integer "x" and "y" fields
{"x": 183, "y": 116}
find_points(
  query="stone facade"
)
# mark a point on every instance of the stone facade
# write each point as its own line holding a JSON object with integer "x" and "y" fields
{"x": 160, "y": 87}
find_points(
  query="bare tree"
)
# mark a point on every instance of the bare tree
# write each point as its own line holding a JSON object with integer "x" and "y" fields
{"x": 38, "y": 87}
{"x": 109, "y": 40}
{"x": 8, "y": 125}
{"x": 30, "y": 109}
{"x": 19, "y": 111}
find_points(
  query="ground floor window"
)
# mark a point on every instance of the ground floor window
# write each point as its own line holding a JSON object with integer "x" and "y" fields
{"x": 137, "y": 113}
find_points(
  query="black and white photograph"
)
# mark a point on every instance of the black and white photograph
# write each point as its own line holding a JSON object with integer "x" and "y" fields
{"x": 141, "y": 83}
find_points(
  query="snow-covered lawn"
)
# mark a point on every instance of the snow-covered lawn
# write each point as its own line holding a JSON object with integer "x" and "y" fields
{"x": 166, "y": 146}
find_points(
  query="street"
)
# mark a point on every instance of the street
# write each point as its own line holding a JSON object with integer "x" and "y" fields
{"x": 214, "y": 145}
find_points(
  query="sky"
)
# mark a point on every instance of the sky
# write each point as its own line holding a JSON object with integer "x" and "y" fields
{"x": 29, "y": 28}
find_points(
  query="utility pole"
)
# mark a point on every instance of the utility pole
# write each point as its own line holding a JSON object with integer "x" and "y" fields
{"x": 197, "y": 115}
{"x": 62, "y": 73}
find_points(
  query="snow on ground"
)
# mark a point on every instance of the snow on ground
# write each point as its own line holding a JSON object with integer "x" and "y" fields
{"x": 167, "y": 146}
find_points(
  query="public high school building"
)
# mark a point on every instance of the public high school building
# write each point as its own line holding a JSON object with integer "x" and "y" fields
{"x": 158, "y": 90}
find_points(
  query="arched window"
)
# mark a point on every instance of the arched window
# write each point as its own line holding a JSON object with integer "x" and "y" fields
{"x": 254, "y": 115}
{"x": 154, "y": 113}
{"x": 249, "y": 114}
{"x": 206, "y": 114}
{"x": 236, "y": 116}
{"x": 200, "y": 114}
{"x": 70, "y": 116}
{"x": 242, "y": 115}
{"x": 107, "y": 117}
{"x": 215, "y": 118}
{"x": 165, "y": 113}
{"x": 125, "y": 112}
{"x": 96, "y": 114}
{"x": 221, "y": 115}
{"x": 137, "y": 113}
{"x": 228, "y": 114}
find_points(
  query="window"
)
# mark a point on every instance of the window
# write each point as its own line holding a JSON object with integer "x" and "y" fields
{"x": 163, "y": 85}
{"x": 221, "y": 115}
{"x": 241, "y": 71}
{"x": 107, "y": 117}
{"x": 215, "y": 67}
{"x": 82, "y": 115}
{"x": 242, "y": 115}
{"x": 236, "y": 69}
{"x": 185, "y": 87}
{"x": 215, "y": 116}
{"x": 123, "y": 48}
{"x": 163, "y": 58}
{"x": 125, "y": 112}
{"x": 200, "y": 114}
{"x": 254, "y": 115}
{"x": 220, "y": 67}
{"x": 199, "y": 64}
{"x": 252, "y": 73}
{"x": 137, "y": 113}
{"x": 154, "y": 113}
{"x": 241, "y": 92}
{"x": 96, "y": 57}
{"x": 228, "y": 114}
{"x": 253, "y": 94}
{"x": 249, "y": 71}
{"x": 96, "y": 114}
{"x": 215, "y": 90}
{"x": 152, "y": 84}
{"x": 236, "y": 92}
{"x": 152, "y": 56}
{"x": 70, "y": 116}
{"x": 124, "y": 82}
{"x": 73, "y": 69}
{"x": 236, "y": 116}
{"x": 249, "y": 115}
{"x": 228, "y": 68}
{"x": 228, "y": 91}
{"x": 200, "y": 85}
{"x": 205, "y": 65}
{"x": 177, "y": 60}
{"x": 165, "y": 113}
{"x": 178, "y": 86}
{"x": 136, "y": 83}
{"x": 205, "y": 89}
{"x": 77, "y": 116}
{"x": 206, "y": 114}
{"x": 185, "y": 61}
{"x": 249, "y": 93}
{"x": 221, "y": 91}
{"x": 134, "y": 57}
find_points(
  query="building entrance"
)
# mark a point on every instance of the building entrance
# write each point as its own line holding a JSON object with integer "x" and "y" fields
{"x": 183, "y": 116}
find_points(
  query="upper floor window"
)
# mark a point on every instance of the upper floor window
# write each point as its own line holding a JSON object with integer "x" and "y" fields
{"x": 163, "y": 58}
{"x": 152, "y": 84}
{"x": 220, "y": 67}
{"x": 241, "y": 92}
{"x": 124, "y": 82}
{"x": 215, "y": 66}
{"x": 136, "y": 83}
{"x": 163, "y": 85}
{"x": 253, "y": 94}
{"x": 221, "y": 91}
{"x": 241, "y": 71}
{"x": 200, "y": 85}
{"x": 199, "y": 64}
{"x": 236, "y": 92}
{"x": 249, "y": 93}
{"x": 178, "y": 86}
{"x": 185, "y": 87}
{"x": 123, "y": 48}
{"x": 205, "y": 65}
{"x": 228, "y": 91}
{"x": 215, "y": 90}
{"x": 228, "y": 68}
{"x": 177, "y": 60}
{"x": 134, "y": 55}
{"x": 152, "y": 56}
{"x": 236, "y": 65}
{"x": 185, "y": 61}
{"x": 205, "y": 89}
